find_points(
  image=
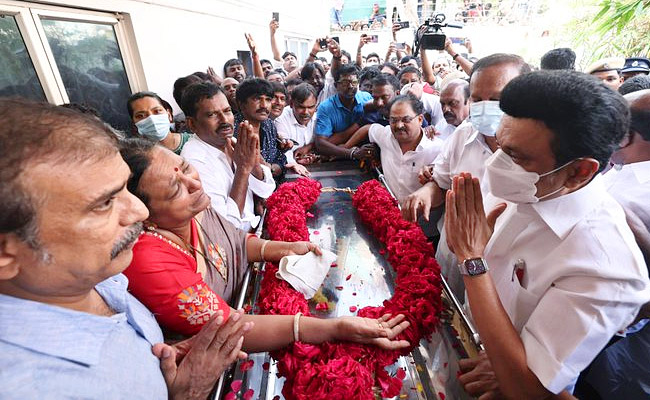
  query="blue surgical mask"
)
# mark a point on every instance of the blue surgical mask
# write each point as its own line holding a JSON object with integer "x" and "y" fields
{"x": 485, "y": 116}
{"x": 155, "y": 127}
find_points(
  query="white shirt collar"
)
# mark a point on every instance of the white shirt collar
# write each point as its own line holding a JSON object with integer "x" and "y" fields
{"x": 562, "y": 213}
{"x": 641, "y": 171}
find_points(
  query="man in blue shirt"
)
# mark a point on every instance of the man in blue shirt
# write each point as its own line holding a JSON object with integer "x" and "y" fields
{"x": 336, "y": 116}
{"x": 68, "y": 327}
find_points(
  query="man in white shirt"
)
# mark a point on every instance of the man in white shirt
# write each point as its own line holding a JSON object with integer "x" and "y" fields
{"x": 465, "y": 151}
{"x": 231, "y": 173}
{"x": 564, "y": 271}
{"x": 404, "y": 146}
{"x": 622, "y": 371}
{"x": 454, "y": 99}
{"x": 296, "y": 123}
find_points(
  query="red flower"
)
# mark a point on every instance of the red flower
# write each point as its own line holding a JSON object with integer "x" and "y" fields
{"x": 345, "y": 370}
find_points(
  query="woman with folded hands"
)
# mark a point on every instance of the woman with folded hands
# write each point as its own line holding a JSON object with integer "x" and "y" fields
{"x": 190, "y": 258}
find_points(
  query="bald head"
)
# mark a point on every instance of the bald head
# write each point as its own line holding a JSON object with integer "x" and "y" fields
{"x": 454, "y": 101}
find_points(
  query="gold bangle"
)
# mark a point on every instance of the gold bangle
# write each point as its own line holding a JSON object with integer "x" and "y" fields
{"x": 262, "y": 250}
{"x": 296, "y": 327}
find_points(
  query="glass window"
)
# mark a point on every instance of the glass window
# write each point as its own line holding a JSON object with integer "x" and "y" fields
{"x": 17, "y": 74}
{"x": 91, "y": 67}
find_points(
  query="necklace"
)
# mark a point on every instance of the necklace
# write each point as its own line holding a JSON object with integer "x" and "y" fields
{"x": 215, "y": 257}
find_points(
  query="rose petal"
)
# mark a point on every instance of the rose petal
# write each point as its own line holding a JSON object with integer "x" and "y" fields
{"x": 322, "y": 306}
{"x": 248, "y": 395}
{"x": 353, "y": 308}
{"x": 401, "y": 374}
{"x": 316, "y": 233}
{"x": 347, "y": 278}
{"x": 339, "y": 288}
{"x": 354, "y": 293}
{"x": 236, "y": 385}
{"x": 441, "y": 396}
{"x": 334, "y": 265}
{"x": 246, "y": 365}
{"x": 265, "y": 366}
{"x": 230, "y": 396}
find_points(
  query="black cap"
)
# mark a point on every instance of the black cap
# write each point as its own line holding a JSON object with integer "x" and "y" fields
{"x": 636, "y": 64}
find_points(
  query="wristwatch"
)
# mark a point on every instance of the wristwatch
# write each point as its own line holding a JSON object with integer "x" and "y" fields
{"x": 473, "y": 266}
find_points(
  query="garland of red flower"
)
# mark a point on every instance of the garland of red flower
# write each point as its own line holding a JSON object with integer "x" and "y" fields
{"x": 349, "y": 370}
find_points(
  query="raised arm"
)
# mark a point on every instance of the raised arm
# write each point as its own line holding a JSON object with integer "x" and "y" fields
{"x": 257, "y": 66}
{"x": 273, "y": 27}
{"x": 427, "y": 69}
{"x": 464, "y": 63}
{"x": 362, "y": 41}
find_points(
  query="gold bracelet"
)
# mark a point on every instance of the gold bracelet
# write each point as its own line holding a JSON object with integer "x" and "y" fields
{"x": 296, "y": 327}
{"x": 262, "y": 250}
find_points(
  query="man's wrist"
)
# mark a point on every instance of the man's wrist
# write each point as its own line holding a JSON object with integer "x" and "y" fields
{"x": 313, "y": 55}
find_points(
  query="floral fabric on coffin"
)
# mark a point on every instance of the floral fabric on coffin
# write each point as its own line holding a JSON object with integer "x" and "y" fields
{"x": 350, "y": 370}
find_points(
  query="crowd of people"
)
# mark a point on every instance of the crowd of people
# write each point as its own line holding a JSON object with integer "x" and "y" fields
{"x": 537, "y": 175}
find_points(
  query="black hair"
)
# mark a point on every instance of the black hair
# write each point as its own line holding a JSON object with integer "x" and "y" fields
{"x": 406, "y": 59}
{"x": 561, "y": 58}
{"x": 180, "y": 84}
{"x": 279, "y": 87}
{"x": 252, "y": 87}
{"x": 634, "y": 84}
{"x": 301, "y": 93}
{"x": 390, "y": 65}
{"x": 202, "y": 75}
{"x": 368, "y": 73}
{"x": 414, "y": 102}
{"x": 345, "y": 53}
{"x": 196, "y": 92}
{"x": 272, "y": 72}
{"x": 136, "y": 153}
{"x": 500, "y": 59}
{"x": 407, "y": 70}
{"x": 292, "y": 82}
{"x": 138, "y": 96}
{"x": 640, "y": 122}
{"x": 587, "y": 118}
{"x": 265, "y": 61}
{"x": 289, "y": 53}
{"x": 386, "y": 79}
{"x": 346, "y": 69}
{"x": 373, "y": 55}
{"x": 308, "y": 70}
{"x": 323, "y": 59}
{"x": 230, "y": 63}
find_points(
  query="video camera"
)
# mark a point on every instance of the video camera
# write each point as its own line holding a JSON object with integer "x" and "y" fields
{"x": 430, "y": 36}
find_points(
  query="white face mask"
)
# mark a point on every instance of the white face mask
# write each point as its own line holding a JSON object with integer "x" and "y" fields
{"x": 155, "y": 126}
{"x": 485, "y": 116}
{"x": 511, "y": 182}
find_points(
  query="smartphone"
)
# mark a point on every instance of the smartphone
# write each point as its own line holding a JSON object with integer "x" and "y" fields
{"x": 374, "y": 38}
{"x": 276, "y": 16}
{"x": 403, "y": 24}
{"x": 323, "y": 43}
{"x": 457, "y": 40}
{"x": 400, "y": 46}
{"x": 336, "y": 39}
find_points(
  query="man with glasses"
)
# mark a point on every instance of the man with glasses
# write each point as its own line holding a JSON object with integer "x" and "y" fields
{"x": 404, "y": 146}
{"x": 337, "y": 115}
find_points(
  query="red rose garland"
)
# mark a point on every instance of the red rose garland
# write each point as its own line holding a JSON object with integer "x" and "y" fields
{"x": 349, "y": 370}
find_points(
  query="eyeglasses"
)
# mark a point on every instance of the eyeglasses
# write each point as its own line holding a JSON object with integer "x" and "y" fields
{"x": 348, "y": 82}
{"x": 405, "y": 120}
